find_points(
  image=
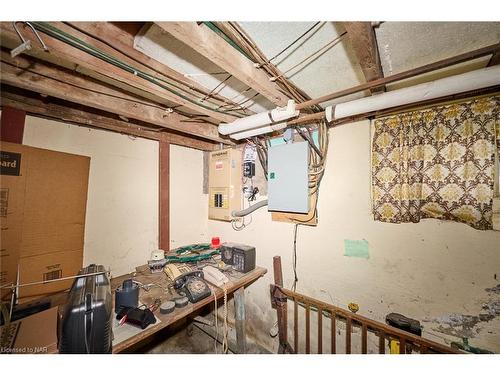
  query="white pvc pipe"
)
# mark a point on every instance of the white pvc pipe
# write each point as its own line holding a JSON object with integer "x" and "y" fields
{"x": 260, "y": 119}
{"x": 258, "y": 131}
{"x": 474, "y": 80}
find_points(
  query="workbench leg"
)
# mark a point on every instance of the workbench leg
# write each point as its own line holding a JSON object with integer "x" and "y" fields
{"x": 239, "y": 308}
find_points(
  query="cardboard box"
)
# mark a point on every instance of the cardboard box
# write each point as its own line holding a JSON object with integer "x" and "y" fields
{"x": 35, "y": 334}
{"x": 12, "y": 185}
{"x": 46, "y": 267}
{"x": 43, "y": 215}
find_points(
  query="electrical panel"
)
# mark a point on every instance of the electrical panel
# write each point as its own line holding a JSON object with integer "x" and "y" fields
{"x": 288, "y": 177}
{"x": 224, "y": 184}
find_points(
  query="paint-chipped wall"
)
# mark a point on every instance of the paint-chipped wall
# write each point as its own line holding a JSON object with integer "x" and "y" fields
{"x": 444, "y": 274}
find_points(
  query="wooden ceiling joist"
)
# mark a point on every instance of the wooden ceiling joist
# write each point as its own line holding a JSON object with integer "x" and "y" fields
{"x": 123, "y": 42}
{"x": 60, "y": 83}
{"x": 214, "y": 48}
{"x": 495, "y": 59}
{"x": 364, "y": 43}
{"x": 63, "y": 54}
{"x": 88, "y": 117}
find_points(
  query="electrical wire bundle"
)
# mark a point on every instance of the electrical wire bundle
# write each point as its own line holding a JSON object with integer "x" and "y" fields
{"x": 239, "y": 37}
{"x": 225, "y": 330}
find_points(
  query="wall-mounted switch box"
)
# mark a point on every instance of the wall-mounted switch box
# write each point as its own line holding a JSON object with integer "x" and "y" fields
{"x": 224, "y": 183}
{"x": 288, "y": 177}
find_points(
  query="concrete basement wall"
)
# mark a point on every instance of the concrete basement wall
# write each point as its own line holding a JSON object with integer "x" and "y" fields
{"x": 434, "y": 271}
{"x": 121, "y": 224}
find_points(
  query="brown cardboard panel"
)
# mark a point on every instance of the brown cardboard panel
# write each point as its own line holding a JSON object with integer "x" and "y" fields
{"x": 37, "y": 333}
{"x": 56, "y": 197}
{"x": 43, "y": 199}
{"x": 12, "y": 187}
{"x": 48, "y": 267}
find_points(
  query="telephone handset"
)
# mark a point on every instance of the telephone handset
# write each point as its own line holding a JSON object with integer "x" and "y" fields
{"x": 193, "y": 286}
{"x": 214, "y": 276}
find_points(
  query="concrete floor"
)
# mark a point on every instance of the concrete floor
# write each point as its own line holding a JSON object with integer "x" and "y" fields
{"x": 189, "y": 339}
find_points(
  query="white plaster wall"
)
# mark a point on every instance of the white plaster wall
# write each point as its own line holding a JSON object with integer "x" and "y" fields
{"x": 188, "y": 204}
{"x": 121, "y": 224}
{"x": 427, "y": 271}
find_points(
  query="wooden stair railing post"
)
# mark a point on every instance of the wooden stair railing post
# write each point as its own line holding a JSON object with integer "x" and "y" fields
{"x": 381, "y": 342}
{"x": 348, "y": 326}
{"x": 281, "y": 307}
{"x": 295, "y": 326}
{"x": 320, "y": 331}
{"x": 334, "y": 332}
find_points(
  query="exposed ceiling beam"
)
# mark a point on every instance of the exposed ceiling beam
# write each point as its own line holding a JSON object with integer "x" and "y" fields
{"x": 88, "y": 117}
{"x": 73, "y": 58}
{"x": 495, "y": 59}
{"x": 213, "y": 47}
{"x": 364, "y": 43}
{"x": 60, "y": 83}
{"x": 123, "y": 42}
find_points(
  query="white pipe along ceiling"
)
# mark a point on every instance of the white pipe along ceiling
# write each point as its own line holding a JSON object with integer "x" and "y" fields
{"x": 474, "y": 80}
{"x": 273, "y": 120}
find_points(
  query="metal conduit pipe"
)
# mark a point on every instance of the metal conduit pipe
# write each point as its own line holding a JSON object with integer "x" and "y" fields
{"x": 250, "y": 209}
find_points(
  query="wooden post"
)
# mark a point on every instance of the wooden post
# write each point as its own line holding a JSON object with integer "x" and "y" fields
{"x": 163, "y": 192}
{"x": 239, "y": 308}
{"x": 12, "y": 125}
{"x": 381, "y": 342}
{"x": 348, "y": 336}
{"x": 333, "y": 333}
{"x": 281, "y": 307}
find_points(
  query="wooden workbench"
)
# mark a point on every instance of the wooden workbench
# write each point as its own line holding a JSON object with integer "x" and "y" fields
{"x": 236, "y": 285}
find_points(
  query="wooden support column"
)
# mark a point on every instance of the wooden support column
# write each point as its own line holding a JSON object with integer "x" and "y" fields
{"x": 164, "y": 192}
{"x": 12, "y": 125}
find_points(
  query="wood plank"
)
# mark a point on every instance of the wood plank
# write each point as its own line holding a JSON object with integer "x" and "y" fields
{"x": 295, "y": 326}
{"x": 308, "y": 329}
{"x": 495, "y": 59}
{"x": 333, "y": 332}
{"x": 164, "y": 195}
{"x": 373, "y": 324}
{"x": 320, "y": 331}
{"x": 52, "y": 81}
{"x": 364, "y": 43}
{"x": 213, "y": 47}
{"x": 364, "y": 338}
{"x": 348, "y": 326}
{"x": 73, "y": 58}
{"x": 381, "y": 342}
{"x": 281, "y": 306}
{"x": 239, "y": 319}
{"x": 58, "y": 112}
{"x": 178, "y": 314}
{"x": 123, "y": 42}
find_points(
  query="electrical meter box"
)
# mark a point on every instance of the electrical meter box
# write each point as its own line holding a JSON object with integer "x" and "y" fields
{"x": 287, "y": 180}
{"x": 224, "y": 184}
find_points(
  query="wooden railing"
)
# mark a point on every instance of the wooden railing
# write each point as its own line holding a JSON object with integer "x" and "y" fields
{"x": 279, "y": 300}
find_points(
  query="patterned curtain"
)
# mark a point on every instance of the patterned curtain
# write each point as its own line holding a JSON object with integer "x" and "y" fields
{"x": 436, "y": 163}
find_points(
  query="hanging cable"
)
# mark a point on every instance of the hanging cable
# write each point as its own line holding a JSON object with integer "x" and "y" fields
{"x": 291, "y": 44}
{"x": 315, "y": 54}
{"x": 295, "y": 278}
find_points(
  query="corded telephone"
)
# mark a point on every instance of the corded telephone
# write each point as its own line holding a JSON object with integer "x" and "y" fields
{"x": 193, "y": 286}
{"x": 214, "y": 276}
